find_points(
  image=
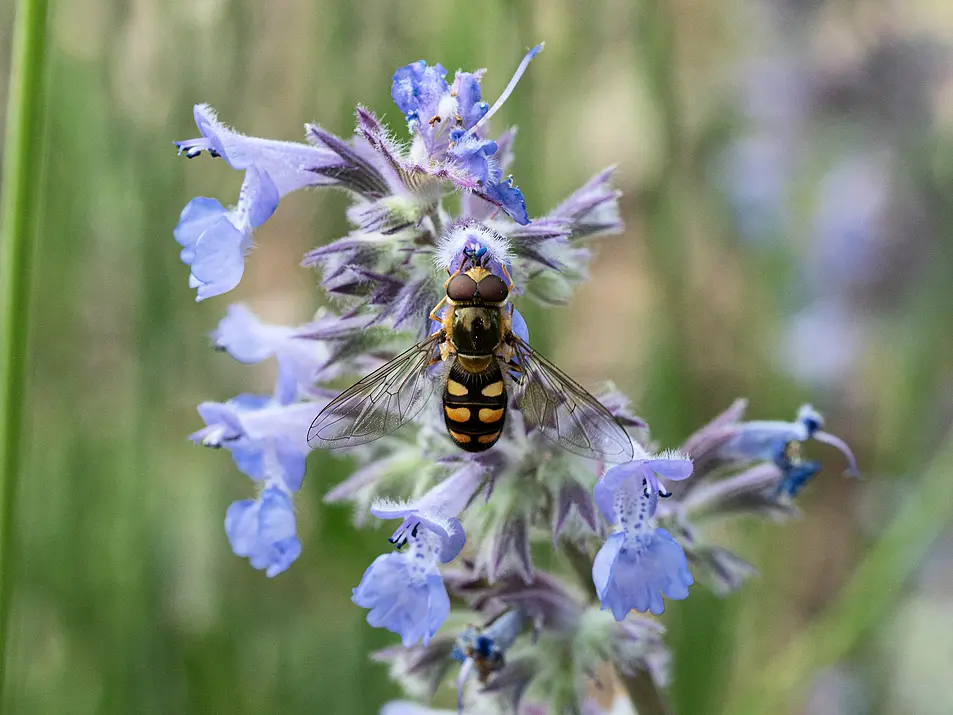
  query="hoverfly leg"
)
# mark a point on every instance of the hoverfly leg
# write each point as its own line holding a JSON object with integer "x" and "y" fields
{"x": 433, "y": 313}
{"x": 663, "y": 493}
{"x": 511, "y": 285}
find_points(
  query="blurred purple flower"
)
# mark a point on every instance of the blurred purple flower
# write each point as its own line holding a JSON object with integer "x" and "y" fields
{"x": 773, "y": 441}
{"x": 263, "y": 531}
{"x": 299, "y": 351}
{"x": 214, "y": 240}
{"x": 262, "y": 436}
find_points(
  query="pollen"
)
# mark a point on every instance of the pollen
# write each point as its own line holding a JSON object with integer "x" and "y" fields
{"x": 493, "y": 390}
{"x": 460, "y": 414}
{"x": 435, "y": 119}
{"x": 455, "y": 388}
{"x": 487, "y": 415}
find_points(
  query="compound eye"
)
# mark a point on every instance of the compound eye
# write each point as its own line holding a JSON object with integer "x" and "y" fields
{"x": 461, "y": 287}
{"x": 493, "y": 289}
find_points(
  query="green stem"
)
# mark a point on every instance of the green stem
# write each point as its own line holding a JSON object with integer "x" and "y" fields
{"x": 645, "y": 695}
{"x": 19, "y": 206}
{"x": 864, "y": 601}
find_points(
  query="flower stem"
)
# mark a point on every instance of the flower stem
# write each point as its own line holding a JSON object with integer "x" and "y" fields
{"x": 19, "y": 206}
{"x": 864, "y": 601}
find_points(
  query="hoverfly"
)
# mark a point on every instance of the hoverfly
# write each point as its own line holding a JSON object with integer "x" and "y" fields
{"x": 484, "y": 357}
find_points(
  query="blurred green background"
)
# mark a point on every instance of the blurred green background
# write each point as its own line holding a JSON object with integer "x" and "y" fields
{"x": 788, "y": 177}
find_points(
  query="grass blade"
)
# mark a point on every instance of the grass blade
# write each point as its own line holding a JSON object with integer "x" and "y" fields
{"x": 19, "y": 206}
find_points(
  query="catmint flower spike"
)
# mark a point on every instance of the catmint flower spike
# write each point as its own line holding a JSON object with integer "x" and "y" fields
{"x": 509, "y": 89}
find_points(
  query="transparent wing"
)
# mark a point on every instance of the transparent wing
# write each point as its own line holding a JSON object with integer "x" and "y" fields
{"x": 564, "y": 412}
{"x": 379, "y": 403}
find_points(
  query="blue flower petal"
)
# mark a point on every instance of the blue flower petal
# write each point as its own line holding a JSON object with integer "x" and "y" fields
{"x": 638, "y": 471}
{"x": 470, "y": 104}
{"x": 293, "y": 465}
{"x": 198, "y": 216}
{"x": 438, "y": 602}
{"x": 476, "y": 156}
{"x": 245, "y": 337}
{"x": 634, "y": 573}
{"x": 402, "y": 601}
{"x": 241, "y": 526}
{"x": 249, "y": 457}
{"x": 509, "y": 198}
{"x": 218, "y": 259}
{"x": 520, "y": 327}
{"x": 796, "y": 476}
{"x": 212, "y": 131}
{"x": 764, "y": 440}
{"x": 259, "y": 196}
{"x": 264, "y": 531}
{"x": 417, "y": 89}
{"x": 287, "y": 384}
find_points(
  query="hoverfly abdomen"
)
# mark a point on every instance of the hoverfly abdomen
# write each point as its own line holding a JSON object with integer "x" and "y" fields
{"x": 474, "y": 406}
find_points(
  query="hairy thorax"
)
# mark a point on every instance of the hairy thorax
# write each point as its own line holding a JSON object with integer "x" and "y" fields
{"x": 476, "y": 330}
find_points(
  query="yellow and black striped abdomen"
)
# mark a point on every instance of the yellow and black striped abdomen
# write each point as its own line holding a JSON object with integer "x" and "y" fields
{"x": 474, "y": 406}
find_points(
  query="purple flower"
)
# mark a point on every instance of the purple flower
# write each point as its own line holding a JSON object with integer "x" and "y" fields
{"x": 436, "y": 511}
{"x": 638, "y": 563}
{"x": 404, "y": 590}
{"x": 476, "y": 157}
{"x": 470, "y": 104}
{"x": 508, "y": 197}
{"x": 214, "y": 240}
{"x": 267, "y": 439}
{"x": 422, "y": 93}
{"x": 249, "y": 340}
{"x": 774, "y": 441}
{"x": 796, "y": 475}
{"x": 642, "y": 473}
{"x": 633, "y": 571}
{"x": 263, "y": 530}
{"x": 484, "y": 649}
{"x": 446, "y": 124}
